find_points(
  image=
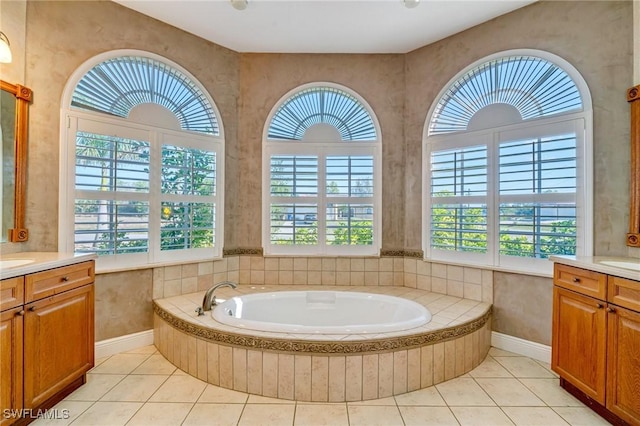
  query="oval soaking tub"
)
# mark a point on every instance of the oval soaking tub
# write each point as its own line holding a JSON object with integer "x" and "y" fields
{"x": 321, "y": 312}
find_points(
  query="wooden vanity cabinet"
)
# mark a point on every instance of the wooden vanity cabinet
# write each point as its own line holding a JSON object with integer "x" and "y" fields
{"x": 48, "y": 337}
{"x": 596, "y": 341}
{"x": 579, "y": 341}
{"x": 11, "y": 334}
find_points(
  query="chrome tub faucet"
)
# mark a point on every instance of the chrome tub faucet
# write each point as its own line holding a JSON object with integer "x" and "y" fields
{"x": 209, "y": 299}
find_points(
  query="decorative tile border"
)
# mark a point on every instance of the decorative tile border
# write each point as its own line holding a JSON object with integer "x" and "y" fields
{"x": 322, "y": 347}
{"x": 239, "y": 251}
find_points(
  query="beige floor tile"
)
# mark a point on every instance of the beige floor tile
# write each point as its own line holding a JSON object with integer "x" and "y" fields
{"x": 522, "y": 367}
{"x": 427, "y": 396}
{"x": 216, "y": 394}
{"x": 534, "y": 416}
{"x": 493, "y": 351}
{"x": 155, "y": 364}
{"x": 477, "y": 416}
{"x": 321, "y": 414}
{"x": 551, "y": 393}
{"x": 64, "y": 412}
{"x": 423, "y": 416}
{"x": 547, "y": 366}
{"x": 214, "y": 414}
{"x": 463, "y": 392}
{"x": 509, "y": 392}
{"x": 257, "y": 399}
{"x": 179, "y": 372}
{"x": 380, "y": 401}
{"x": 161, "y": 413}
{"x": 108, "y": 414}
{"x": 120, "y": 364}
{"x": 97, "y": 385}
{"x": 135, "y": 388}
{"x": 148, "y": 350}
{"x": 490, "y": 368}
{"x": 179, "y": 389}
{"x": 580, "y": 416}
{"x": 267, "y": 414}
{"x": 371, "y": 415}
{"x": 98, "y": 361}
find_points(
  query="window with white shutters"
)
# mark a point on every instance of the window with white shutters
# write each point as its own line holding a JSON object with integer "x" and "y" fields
{"x": 507, "y": 165}
{"x": 321, "y": 162}
{"x": 146, "y": 150}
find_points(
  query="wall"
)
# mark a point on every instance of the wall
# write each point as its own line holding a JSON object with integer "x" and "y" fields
{"x": 596, "y": 37}
{"x": 265, "y": 78}
{"x": 60, "y": 37}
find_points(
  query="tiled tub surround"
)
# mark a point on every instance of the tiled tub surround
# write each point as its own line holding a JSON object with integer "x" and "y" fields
{"x": 325, "y": 368}
{"x": 458, "y": 281}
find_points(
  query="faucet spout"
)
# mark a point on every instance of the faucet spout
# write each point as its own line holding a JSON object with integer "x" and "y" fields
{"x": 209, "y": 299}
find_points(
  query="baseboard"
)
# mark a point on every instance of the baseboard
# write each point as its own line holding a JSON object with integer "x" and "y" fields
{"x": 521, "y": 347}
{"x": 123, "y": 343}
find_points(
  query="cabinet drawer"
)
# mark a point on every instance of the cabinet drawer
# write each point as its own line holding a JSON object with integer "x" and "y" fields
{"x": 55, "y": 281}
{"x": 624, "y": 292}
{"x": 11, "y": 293}
{"x": 590, "y": 283}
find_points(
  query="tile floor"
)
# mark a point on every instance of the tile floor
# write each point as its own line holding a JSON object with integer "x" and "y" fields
{"x": 141, "y": 387}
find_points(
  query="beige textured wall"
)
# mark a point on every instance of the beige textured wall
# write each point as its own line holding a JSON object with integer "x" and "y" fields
{"x": 596, "y": 38}
{"x": 265, "y": 78}
{"x": 60, "y": 37}
{"x": 63, "y": 35}
{"x": 123, "y": 303}
{"x": 522, "y": 306}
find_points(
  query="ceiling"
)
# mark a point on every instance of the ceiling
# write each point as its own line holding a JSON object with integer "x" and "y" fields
{"x": 324, "y": 26}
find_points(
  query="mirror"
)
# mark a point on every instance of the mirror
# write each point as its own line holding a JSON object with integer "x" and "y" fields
{"x": 633, "y": 237}
{"x": 14, "y": 110}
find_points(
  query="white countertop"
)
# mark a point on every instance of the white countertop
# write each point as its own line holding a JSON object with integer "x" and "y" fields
{"x": 625, "y": 267}
{"x": 16, "y": 264}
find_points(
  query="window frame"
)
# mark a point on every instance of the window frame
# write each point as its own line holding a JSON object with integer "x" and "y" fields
{"x": 584, "y": 163}
{"x": 158, "y": 136}
{"x": 322, "y": 150}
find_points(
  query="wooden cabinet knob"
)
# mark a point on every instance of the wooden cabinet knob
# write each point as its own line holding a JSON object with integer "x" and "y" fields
{"x": 33, "y": 308}
{"x": 610, "y": 309}
{"x": 599, "y": 306}
{"x": 576, "y": 280}
{"x": 20, "y": 313}
{"x": 65, "y": 279}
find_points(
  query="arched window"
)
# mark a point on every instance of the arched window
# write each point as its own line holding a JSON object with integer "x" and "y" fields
{"x": 508, "y": 164}
{"x": 144, "y": 163}
{"x": 321, "y": 163}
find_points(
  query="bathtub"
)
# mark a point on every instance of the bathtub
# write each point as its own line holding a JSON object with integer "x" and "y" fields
{"x": 321, "y": 312}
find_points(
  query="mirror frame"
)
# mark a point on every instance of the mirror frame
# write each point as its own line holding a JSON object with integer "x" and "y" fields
{"x": 633, "y": 237}
{"x": 23, "y": 97}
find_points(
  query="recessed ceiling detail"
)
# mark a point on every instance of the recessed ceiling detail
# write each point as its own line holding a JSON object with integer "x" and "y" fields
{"x": 325, "y": 26}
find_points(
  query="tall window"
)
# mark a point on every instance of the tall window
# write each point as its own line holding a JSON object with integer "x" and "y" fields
{"x": 508, "y": 165}
{"x": 321, "y": 174}
{"x": 143, "y": 166}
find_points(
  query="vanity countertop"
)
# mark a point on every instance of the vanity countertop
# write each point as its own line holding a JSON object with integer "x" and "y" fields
{"x": 16, "y": 264}
{"x": 625, "y": 267}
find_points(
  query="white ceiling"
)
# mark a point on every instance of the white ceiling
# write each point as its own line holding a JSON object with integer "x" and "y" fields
{"x": 324, "y": 26}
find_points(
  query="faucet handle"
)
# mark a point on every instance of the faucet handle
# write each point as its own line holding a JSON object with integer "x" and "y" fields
{"x": 199, "y": 311}
{"x": 213, "y": 301}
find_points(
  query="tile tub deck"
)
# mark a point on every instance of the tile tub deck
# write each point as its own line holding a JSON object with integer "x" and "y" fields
{"x": 325, "y": 367}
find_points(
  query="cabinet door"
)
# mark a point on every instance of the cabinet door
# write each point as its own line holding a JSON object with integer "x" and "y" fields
{"x": 11, "y": 326}
{"x": 59, "y": 343}
{"x": 578, "y": 352}
{"x": 623, "y": 365}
